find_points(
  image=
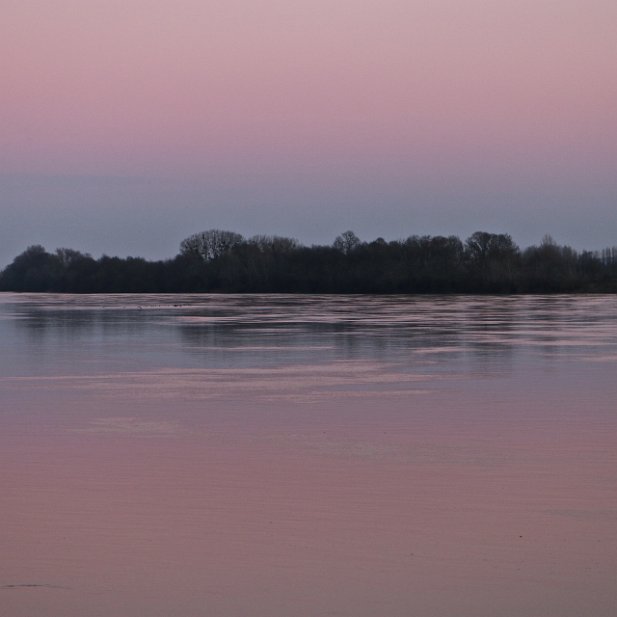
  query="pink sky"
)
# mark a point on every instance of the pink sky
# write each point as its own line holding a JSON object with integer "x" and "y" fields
{"x": 456, "y": 92}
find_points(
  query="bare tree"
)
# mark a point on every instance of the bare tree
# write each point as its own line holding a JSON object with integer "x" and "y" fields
{"x": 274, "y": 244}
{"x": 482, "y": 246}
{"x": 347, "y": 242}
{"x": 210, "y": 244}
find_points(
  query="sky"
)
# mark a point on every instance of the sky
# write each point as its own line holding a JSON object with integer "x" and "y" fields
{"x": 127, "y": 125}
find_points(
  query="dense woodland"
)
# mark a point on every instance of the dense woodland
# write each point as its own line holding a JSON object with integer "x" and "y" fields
{"x": 223, "y": 261}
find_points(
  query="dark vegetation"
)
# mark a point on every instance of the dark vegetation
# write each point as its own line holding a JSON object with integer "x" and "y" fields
{"x": 223, "y": 261}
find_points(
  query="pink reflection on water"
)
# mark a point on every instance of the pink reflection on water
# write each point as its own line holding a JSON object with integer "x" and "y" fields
{"x": 134, "y": 517}
{"x": 462, "y": 463}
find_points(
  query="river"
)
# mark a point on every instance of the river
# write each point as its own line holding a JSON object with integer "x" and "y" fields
{"x": 276, "y": 456}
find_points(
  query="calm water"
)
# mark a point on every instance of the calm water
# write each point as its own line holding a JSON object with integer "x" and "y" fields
{"x": 276, "y": 456}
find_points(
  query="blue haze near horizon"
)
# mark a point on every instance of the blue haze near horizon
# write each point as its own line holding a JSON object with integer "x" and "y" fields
{"x": 149, "y": 216}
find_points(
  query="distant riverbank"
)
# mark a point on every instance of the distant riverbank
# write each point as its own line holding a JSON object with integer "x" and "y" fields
{"x": 223, "y": 261}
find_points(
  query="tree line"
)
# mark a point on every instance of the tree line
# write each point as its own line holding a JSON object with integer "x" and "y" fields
{"x": 224, "y": 261}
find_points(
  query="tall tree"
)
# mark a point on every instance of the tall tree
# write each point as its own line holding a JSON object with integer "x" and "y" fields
{"x": 210, "y": 244}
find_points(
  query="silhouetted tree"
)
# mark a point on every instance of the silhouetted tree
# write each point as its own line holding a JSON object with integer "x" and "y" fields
{"x": 550, "y": 267}
{"x": 493, "y": 261}
{"x": 77, "y": 271}
{"x": 223, "y": 261}
{"x": 33, "y": 270}
{"x": 346, "y": 242}
{"x": 210, "y": 244}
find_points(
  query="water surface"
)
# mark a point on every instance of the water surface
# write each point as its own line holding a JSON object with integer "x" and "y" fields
{"x": 271, "y": 456}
